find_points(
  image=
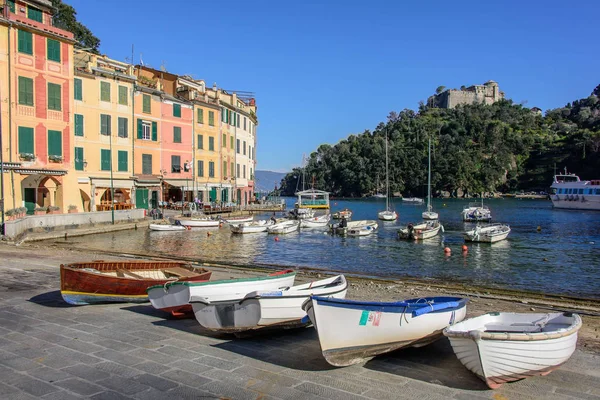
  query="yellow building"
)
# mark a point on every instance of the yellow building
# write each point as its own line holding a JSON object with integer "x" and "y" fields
{"x": 103, "y": 129}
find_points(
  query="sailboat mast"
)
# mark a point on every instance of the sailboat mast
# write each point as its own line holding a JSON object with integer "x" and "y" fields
{"x": 387, "y": 183}
{"x": 429, "y": 176}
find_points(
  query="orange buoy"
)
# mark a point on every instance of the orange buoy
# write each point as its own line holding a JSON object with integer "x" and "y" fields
{"x": 276, "y": 239}
{"x": 221, "y": 225}
{"x": 539, "y": 228}
{"x": 447, "y": 251}
{"x": 465, "y": 248}
{"x": 207, "y": 233}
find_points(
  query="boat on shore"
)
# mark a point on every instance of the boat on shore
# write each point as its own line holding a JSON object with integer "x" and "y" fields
{"x": 569, "y": 192}
{"x": 122, "y": 281}
{"x": 261, "y": 309}
{"x": 505, "y": 347}
{"x": 424, "y": 230}
{"x": 487, "y": 234}
{"x": 353, "y": 331}
{"x": 174, "y": 297}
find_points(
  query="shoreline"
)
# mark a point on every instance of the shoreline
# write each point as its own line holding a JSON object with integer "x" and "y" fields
{"x": 481, "y": 299}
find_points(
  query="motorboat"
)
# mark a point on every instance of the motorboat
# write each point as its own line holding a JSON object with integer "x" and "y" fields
{"x": 476, "y": 212}
{"x": 352, "y": 331}
{"x": 167, "y": 226}
{"x": 488, "y": 234}
{"x": 412, "y": 200}
{"x": 502, "y": 347}
{"x": 199, "y": 222}
{"x": 345, "y": 213}
{"x": 424, "y": 230}
{"x": 302, "y": 213}
{"x": 570, "y": 192}
{"x": 344, "y": 226}
{"x": 362, "y": 231}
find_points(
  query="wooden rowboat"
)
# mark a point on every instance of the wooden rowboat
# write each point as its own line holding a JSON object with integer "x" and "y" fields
{"x": 121, "y": 281}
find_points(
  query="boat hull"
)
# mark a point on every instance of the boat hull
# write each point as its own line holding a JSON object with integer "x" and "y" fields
{"x": 387, "y": 215}
{"x": 80, "y": 285}
{"x": 239, "y": 220}
{"x": 351, "y": 332}
{"x": 576, "y": 202}
{"x": 430, "y": 215}
{"x": 283, "y": 228}
{"x": 498, "y": 357}
{"x": 271, "y": 309}
{"x": 252, "y": 227}
{"x": 175, "y": 297}
{"x": 166, "y": 228}
{"x": 420, "y": 231}
{"x": 490, "y": 234}
{"x": 199, "y": 223}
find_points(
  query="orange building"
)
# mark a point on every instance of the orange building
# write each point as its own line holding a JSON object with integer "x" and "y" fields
{"x": 36, "y": 90}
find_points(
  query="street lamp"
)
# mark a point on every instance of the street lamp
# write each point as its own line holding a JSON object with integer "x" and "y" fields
{"x": 112, "y": 189}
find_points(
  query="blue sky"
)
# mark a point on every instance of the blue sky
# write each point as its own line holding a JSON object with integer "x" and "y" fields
{"x": 322, "y": 70}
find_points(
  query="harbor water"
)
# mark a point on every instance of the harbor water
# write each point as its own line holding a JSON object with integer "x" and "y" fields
{"x": 561, "y": 257}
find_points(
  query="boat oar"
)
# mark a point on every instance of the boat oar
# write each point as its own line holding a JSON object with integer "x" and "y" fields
{"x": 427, "y": 308}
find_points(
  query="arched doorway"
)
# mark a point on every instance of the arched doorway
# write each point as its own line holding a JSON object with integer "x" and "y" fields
{"x": 85, "y": 201}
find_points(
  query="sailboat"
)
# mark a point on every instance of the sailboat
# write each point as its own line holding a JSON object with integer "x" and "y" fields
{"x": 429, "y": 214}
{"x": 387, "y": 214}
{"x": 378, "y": 195}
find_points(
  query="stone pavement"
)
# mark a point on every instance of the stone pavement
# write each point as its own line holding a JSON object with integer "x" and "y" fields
{"x": 51, "y": 350}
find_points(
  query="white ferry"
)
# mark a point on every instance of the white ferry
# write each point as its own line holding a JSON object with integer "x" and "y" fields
{"x": 568, "y": 191}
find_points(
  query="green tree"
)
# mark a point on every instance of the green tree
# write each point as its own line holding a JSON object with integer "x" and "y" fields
{"x": 440, "y": 89}
{"x": 65, "y": 18}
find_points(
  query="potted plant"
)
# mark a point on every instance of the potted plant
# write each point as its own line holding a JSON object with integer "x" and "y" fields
{"x": 53, "y": 210}
{"x": 72, "y": 208}
{"x": 40, "y": 211}
{"x": 10, "y": 214}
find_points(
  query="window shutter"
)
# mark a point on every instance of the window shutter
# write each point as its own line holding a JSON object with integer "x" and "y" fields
{"x": 105, "y": 160}
{"x": 154, "y": 131}
{"x": 176, "y": 110}
{"x": 79, "y": 158}
{"x": 122, "y": 161}
{"x": 146, "y": 107}
{"x": 26, "y": 140}
{"x": 104, "y": 91}
{"x": 123, "y": 95}
{"x": 78, "y": 90}
{"x": 140, "y": 129}
{"x": 176, "y": 134}
{"x": 78, "y": 125}
{"x": 54, "y": 143}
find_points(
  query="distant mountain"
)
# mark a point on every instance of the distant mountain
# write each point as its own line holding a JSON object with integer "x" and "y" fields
{"x": 267, "y": 180}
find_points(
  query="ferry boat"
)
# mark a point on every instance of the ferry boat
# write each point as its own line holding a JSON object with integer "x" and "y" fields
{"x": 569, "y": 192}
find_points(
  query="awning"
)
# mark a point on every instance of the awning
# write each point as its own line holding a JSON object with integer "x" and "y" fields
{"x": 40, "y": 171}
{"x": 182, "y": 184}
{"x": 116, "y": 183}
{"x": 84, "y": 180}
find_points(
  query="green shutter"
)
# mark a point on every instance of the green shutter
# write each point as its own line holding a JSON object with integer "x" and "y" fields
{"x": 78, "y": 90}
{"x": 224, "y": 140}
{"x": 35, "y": 14}
{"x": 122, "y": 162}
{"x": 79, "y": 158}
{"x": 78, "y": 125}
{"x": 55, "y": 143}
{"x": 200, "y": 116}
{"x": 53, "y": 50}
{"x": 177, "y": 110}
{"x": 105, "y": 124}
{"x": 231, "y": 142}
{"x": 25, "y": 40}
{"x": 211, "y": 143}
{"x": 211, "y": 118}
{"x": 176, "y": 134}
{"x": 146, "y": 164}
{"x": 231, "y": 170}
{"x": 200, "y": 168}
{"x": 105, "y": 91}
{"x": 224, "y": 168}
{"x": 25, "y": 91}
{"x": 146, "y": 107}
{"x": 211, "y": 169}
{"x": 105, "y": 160}
{"x": 25, "y": 140}
{"x": 200, "y": 142}
{"x": 54, "y": 102}
{"x": 140, "y": 129}
{"x": 122, "y": 127}
{"x": 11, "y": 5}
{"x": 123, "y": 95}
{"x": 154, "y": 131}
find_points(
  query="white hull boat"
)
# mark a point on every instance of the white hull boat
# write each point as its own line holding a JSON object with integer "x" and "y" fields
{"x": 488, "y": 234}
{"x": 200, "y": 222}
{"x": 351, "y": 331}
{"x": 425, "y": 230}
{"x": 365, "y": 231}
{"x": 174, "y": 297}
{"x": 570, "y": 192}
{"x": 302, "y": 213}
{"x": 412, "y": 200}
{"x": 239, "y": 220}
{"x": 387, "y": 215}
{"x": 282, "y": 228}
{"x": 354, "y": 225}
{"x": 260, "y": 309}
{"x": 167, "y": 227}
{"x": 505, "y": 347}
{"x": 476, "y": 212}
{"x": 345, "y": 213}
{"x": 251, "y": 227}
{"x": 316, "y": 222}
{"x": 430, "y": 215}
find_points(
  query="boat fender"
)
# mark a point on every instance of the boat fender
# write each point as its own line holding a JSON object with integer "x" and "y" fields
{"x": 475, "y": 334}
{"x": 442, "y": 228}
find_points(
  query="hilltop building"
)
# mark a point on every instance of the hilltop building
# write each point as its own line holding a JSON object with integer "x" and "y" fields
{"x": 488, "y": 93}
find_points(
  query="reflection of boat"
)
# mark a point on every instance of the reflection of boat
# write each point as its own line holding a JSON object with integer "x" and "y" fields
{"x": 175, "y": 297}
{"x": 259, "y": 309}
{"x": 284, "y": 227}
{"x": 388, "y": 214}
{"x": 476, "y": 212}
{"x": 121, "y": 281}
{"x": 345, "y": 213}
{"x": 413, "y": 200}
{"x": 489, "y": 234}
{"x": 425, "y": 230}
{"x": 251, "y": 227}
{"x": 505, "y": 347}
{"x": 354, "y": 331}
{"x": 317, "y": 222}
{"x": 569, "y": 192}
{"x": 429, "y": 214}
{"x": 344, "y": 226}
{"x": 239, "y": 220}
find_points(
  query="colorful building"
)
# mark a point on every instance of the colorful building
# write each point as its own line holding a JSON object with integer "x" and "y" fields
{"x": 36, "y": 91}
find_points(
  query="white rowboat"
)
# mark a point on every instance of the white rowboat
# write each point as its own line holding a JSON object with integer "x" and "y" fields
{"x": 354, "y": 225}
{"x": 351, "y": 332}
{"x": 316, "y": 222}
{"x": 281, "y": 228}
{"x": 166, "y": 227}
{"x": 251, "y": 227}
{"x": 414, "y": 200}
{"x": 174, "y": 297}
{"x": 199, "y": 222}
{"x": 259, "y": 309}
{"x": 505, "y": 347}
{"x": 365, "y": 231}
{"x": 239, "y": 220}
{"x": 387, "y": 215}
{"x": 425, "y": 230}
{"x": 488, "y": 234}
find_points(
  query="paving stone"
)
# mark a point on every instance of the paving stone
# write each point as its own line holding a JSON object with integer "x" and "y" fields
{"x": 19, "y": 363}
{"x": 86, "y": 372}
{"x": 191, "y": 366}
{"x": 185, "y": 378}
{"x": 117, "y": 369}
{"x": 80, "y": 346}
{"x": 217, "y": 363}
{"x": 267, "y": 376}
{"x": 109, "y": 395}
{"x": 315, "y": 377}
{"x": 222, "y": 389}
{"x": 385, "y": 395}
{"x": 152, "y": 367}
{"x": 185, "y": 392}
{"x": 580, "y": 394}
{"x": 182, "y": 353}
{"x": 56, "y": 361}
{"x": 216, "y": 352}
{"x": 265, "y": 388}
{"x": 114, "y": 345}
{"x": 62, "y": 395}
{"x": 155, "y": 394}
{"x": 48, "y": 374}
{"x": 153, "y": 355}
{"x": 122, "y": 385}
{"x": 74, "y": 355}
{"x": 80, "y": 386}
{"x": 325, "y": 391}
{"x": 118, "y": 357}
{"x": 33, "y": 386}
{"x": 155, "y": 381}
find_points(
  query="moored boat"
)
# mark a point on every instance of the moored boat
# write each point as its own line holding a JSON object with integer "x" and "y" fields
{"x": 363, "y": 231}
{"x": 259, "y": 309}
{"x": 569, "y": 192}
{"x": 238, "y": 220}
{"x": 354, "y": 331}
{"x": 488, "y": 234}
{"x": 317, "y": 222}
{"x": 345, "y": 213}
{"x": 505, "y": 347}
{"x": 425, "y": 230}
{"x": 203, "y": 222}
{"x": 167, "y": 227}
{"x": 476, "y": 212}
{"x": 302, "y": 213}
{"x": 121, "y": 281}
{"x": 387, "y": 215}
{"x": 284, "y": 227}
{"x": 175, "y": 297}
{"x": 344, "y": 226}
{"x": 251, "y": 227}
{"x": 412, "y": 200}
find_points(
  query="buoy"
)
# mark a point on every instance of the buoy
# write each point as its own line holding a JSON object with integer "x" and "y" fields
{"x": 207, "y": 233}
{"x": 465, "y": 248}
{"x": 335, "y": 204}
{"x": 444, "y": 205}
{"x": 221, "y": 225}
{"x": 447, "y": 251}
{"x": 539, "y": 228}
{"x": 276, "y": 239}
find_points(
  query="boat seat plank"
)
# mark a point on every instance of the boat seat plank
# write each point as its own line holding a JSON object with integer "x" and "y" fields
{"x": 124, "y": 272}
{"x": 181, "y": 272}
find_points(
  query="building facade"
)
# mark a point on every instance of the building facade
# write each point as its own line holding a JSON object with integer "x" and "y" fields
{"x": 488, "y": 93}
